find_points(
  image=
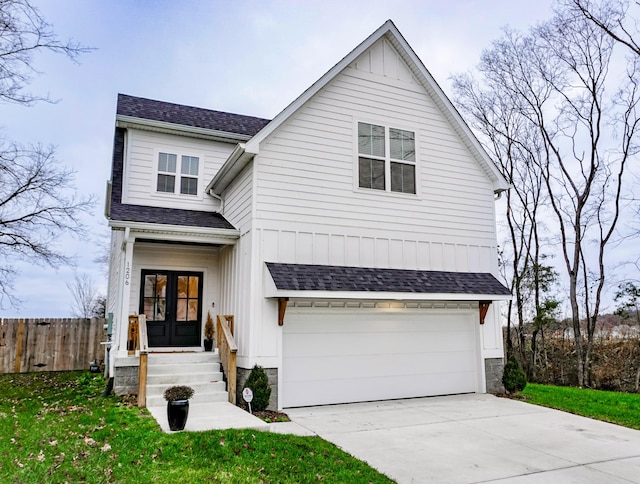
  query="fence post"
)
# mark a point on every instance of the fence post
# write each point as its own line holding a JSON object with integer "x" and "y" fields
{"x": 19, "y": 346}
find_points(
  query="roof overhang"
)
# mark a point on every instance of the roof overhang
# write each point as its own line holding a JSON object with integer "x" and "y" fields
{"x": 177, "y": 233}
{"x": 123, "y": 121}
{"x": 415, "y": 293}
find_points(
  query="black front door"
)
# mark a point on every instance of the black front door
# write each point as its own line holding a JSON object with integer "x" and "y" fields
{"x": 172, "y": 303}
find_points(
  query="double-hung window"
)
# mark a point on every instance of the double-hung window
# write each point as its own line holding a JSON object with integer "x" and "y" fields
{"x": 186, "y": 174}
{"x": 386, "y": 158}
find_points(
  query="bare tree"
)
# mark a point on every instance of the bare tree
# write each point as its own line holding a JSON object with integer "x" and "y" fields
{"x": 610, "y": 16}
{"x": 562, "y": 82}
{"x": 493, "y": 113}
{"x": 37, "y": 198}
{"x": 87, "y": 303}
{"x": 23, "y": 33}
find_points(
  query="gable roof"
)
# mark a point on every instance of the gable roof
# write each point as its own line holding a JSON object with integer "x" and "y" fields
{"x": 164, "y": 114}
{"x": 290, "y": 279}
{"x": 388, "y": 30}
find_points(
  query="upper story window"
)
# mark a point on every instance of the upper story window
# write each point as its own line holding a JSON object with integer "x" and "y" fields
{"x": 187, "y": 174}
{"x": 386, "y": 158}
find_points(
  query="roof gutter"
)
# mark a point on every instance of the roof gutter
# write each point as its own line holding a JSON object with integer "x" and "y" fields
{"x": 123, "y": 121}
{"x": 178, "y": 233}
{"x": 237, "y": 161}
{"x": 399, "y": 296}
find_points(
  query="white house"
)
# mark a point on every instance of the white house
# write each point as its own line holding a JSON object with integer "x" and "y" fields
{"x": 352, "y": 237}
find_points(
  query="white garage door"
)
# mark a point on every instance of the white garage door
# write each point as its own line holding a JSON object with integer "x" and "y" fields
{"x": 352, "y": 355}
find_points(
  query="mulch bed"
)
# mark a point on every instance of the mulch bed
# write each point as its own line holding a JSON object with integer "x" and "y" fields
{"x": 270, "y": 416}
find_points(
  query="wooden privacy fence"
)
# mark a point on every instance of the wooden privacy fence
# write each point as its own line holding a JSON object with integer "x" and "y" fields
{"x": 42, "y": 344}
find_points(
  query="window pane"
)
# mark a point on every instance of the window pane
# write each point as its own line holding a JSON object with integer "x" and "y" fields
{"x": 370, "y": 139}
{"x": 167, "y": 162}
{"x": 371, "y": 173}
{"x": 193, "y": 287}
{"x": 166, "y": 183}
{"x": 193, "y": 310}
{"x": 189, "y": 165}
{"x": 402, "y": 144}
{"x": 161, "y": 285}
{"x": 188, "y": 186}
{"x": 150, "y": 286}
{"x": 181, "y": 314}
{"x": 403, "y": 178}
{"x": 148, "y": 308}
{"x": 161, "y": 305}
{"x": 182, "y": 286}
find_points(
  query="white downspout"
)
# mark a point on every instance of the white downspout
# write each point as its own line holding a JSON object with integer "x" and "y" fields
{"x": 220, "y": 199}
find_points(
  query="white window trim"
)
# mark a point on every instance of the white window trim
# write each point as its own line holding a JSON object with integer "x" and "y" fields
{"x": 176, "y": 193}
{"x": 387, "y": 159}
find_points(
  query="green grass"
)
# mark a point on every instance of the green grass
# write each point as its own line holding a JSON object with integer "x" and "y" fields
{"x": 615, "y": 407}
{"x": 55, "y": 427}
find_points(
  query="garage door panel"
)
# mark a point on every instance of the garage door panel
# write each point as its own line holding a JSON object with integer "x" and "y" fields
{"x": 378, "y": 388}
{"x": 350, "y": 356}
{"x": 383, "y": 323}
{"x": 372, "y": 366}
{"x": 361, "y": 343}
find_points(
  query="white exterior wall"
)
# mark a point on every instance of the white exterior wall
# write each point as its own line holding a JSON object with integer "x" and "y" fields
{"x": 115, "y": 272}
{"x": 310, "y": 210}
{"x": 235, "y": 265}
{"x": 141, "y": 168}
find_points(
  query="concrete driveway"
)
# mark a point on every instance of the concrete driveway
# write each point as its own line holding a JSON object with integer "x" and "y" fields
{"x": 477, "y": 438}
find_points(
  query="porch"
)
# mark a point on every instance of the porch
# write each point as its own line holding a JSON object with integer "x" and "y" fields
{"x": 211, "y": 374}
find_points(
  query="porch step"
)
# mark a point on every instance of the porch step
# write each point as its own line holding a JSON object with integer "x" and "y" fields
{"x": 182, "y": 369}
{"x": 184, "y": 357}
{"x": 201, "y": 371}
{"x": 189, "y": 378}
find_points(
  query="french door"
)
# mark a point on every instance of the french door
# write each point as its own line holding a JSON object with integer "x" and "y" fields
{"x": 172, "y": 304}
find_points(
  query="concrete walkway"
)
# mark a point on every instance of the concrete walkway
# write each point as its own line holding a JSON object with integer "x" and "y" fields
{"x": 476, "y": 438}
{"x": 211, "y": 416}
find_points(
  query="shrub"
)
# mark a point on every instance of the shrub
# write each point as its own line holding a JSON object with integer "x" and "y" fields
{"x": 258, "y": 382}
{"x": 208, "y": 327}
{"x": 513, "y": 378}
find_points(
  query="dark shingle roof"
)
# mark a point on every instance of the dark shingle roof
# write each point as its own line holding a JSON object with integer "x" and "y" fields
{"x": 307, "y": 277}
{"x": 168, "y": 216}
{"x": 139, "y": 107}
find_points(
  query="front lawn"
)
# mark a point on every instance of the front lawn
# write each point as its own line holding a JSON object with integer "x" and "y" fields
{"x": 54, "y": 427}
{"x": 615, "y": 407}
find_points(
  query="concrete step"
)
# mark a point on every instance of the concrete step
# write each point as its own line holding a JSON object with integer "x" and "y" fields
{"x": 182, "y": 369}
{"x": 199, "y": 370}
{"x": 184, "y": 379}
{"x": 184, "y": 358}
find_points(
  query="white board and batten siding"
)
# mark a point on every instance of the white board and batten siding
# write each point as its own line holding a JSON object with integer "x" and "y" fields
{"x": 141, "y": 168}
{"x": 341, "y": 354}
{"x": 309, "y": 210}
{"x": 307, "y": 177}
{"x": 235, "y": 263}
{"x": 116, "y": 256}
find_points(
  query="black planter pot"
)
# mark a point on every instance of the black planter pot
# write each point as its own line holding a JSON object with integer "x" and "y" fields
{"x": 208, "y": 344}
{"x": 177, "y": 413}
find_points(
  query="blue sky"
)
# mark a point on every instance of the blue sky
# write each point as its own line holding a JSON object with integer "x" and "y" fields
{"x": 248, "y": 57}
